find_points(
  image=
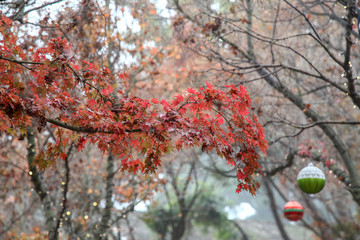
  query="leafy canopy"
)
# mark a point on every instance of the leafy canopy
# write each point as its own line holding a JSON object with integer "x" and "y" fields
{"x": 49, "y": 85}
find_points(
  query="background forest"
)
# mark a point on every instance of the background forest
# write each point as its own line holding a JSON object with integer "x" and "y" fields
{"x": 71, "y": 71}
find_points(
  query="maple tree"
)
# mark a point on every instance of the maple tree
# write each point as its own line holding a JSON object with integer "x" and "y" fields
{"x": 225, "y": 46}
{"x": 81, "y": 98}
{"x": 71, "y": 186}
{"x": 81, "y": 102}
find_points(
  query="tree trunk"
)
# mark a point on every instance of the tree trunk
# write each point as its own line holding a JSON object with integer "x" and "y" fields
{"x": 39, "y": 186}
{"x": 104, "y": 223}
{"x": 243, "y": 233}
{"x": 179, "y": 229}
{"x": 273, "y": 206}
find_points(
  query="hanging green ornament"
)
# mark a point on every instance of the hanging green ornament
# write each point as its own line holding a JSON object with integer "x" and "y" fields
{"x": 311, "y": 179}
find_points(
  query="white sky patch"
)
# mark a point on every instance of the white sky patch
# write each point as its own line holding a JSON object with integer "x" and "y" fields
{"x": 164, "y": 12}
{"x": 215, "y": 6}
{"x": 140, "y": 207}
{"x": 53, "y": 9}
{"x": 125, "y": 22}
{"x": 149, "y": 44}
{"x": 241, "y": 211}
{"x": 128, "y": 22}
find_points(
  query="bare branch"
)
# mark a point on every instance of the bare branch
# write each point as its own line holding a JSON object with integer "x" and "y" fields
{"x": 41, "y": 6}
{"x": 5, "y": 229}
{"x": 306, "y": 126}
{"x": 288, "y": 163}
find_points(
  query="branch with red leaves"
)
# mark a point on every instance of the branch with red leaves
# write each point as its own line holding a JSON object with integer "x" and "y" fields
{"x": 81, "y": 99}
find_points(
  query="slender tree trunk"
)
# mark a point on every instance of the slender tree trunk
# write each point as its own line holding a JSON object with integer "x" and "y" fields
{"x": 179, "y": 230}
{"x": 104, "y": 223}
{"x": 243, "y": 233}
{"x": 39, "y": 186}
{"x": 273, "y": 206}
{"x": 65, "y": 191}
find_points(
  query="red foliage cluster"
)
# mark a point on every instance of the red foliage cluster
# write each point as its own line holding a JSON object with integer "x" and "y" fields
{"x": 81, "y": 100}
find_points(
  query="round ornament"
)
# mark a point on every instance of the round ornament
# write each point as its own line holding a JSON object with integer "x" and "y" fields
{"x": 293, "y": 211}
{"x": 311, "y": 179}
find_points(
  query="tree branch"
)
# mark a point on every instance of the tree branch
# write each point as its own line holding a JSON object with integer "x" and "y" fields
{"x": 20, "y": 61}
{"x": 288, "y": 163}
{"x": 286, "y": 136}
{"x": 85, "y": 129}
{"x": 5, "y": 229}
{"x": 133, "y": 81}
{"x": 130, "y": 208}
{"x": 238, "y": 227}
{"x": 77, "y": 75}
{"x": 347, "y": 60}
{"x": 41, "y": 6}
{"x": 306, "y": 126}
